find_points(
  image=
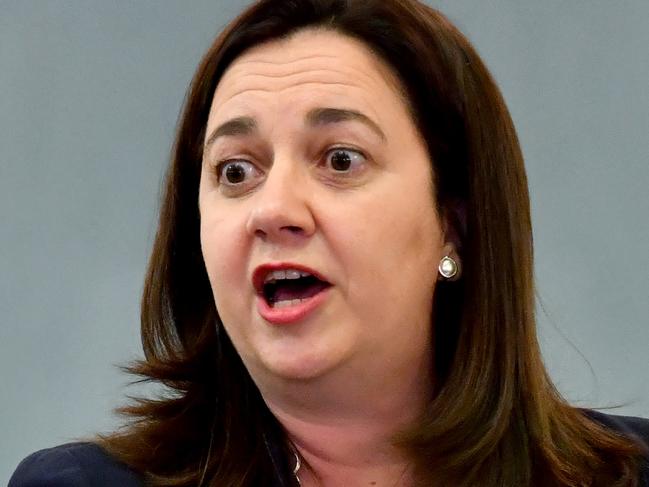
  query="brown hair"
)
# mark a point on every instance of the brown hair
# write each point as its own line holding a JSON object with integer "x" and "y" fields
{"x": 496, "y": 419}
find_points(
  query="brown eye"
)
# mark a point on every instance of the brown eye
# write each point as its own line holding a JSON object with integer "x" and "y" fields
{"x": 340, "y": 161}
{"x": 234, "y": 173}
{"x": 344, "y": 160}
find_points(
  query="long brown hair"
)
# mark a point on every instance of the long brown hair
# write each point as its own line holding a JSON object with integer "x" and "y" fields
{"x": 496, "y": 419}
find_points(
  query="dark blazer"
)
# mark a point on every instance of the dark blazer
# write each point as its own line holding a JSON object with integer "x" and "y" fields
{"x": 73, "y": 465}
{"x": 86, "y": 465}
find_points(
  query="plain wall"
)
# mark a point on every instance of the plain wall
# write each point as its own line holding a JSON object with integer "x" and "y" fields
{"x": 89, "y": 96}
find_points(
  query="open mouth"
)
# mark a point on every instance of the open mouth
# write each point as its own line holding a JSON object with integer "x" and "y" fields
{"x": 288, "y": 293}
{"x": 290, "y": 287}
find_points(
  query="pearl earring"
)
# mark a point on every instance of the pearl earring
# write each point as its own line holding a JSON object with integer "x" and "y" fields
{"x": 448, "y": 268}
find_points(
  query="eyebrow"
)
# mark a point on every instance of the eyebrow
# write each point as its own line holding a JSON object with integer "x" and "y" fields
{"x": 318, "y": 117}
{"x": 235, "y": 127}
{"x": 325, "y": 116}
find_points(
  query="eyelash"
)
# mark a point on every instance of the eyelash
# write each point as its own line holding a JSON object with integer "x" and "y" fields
{"x": 222, "y": 164}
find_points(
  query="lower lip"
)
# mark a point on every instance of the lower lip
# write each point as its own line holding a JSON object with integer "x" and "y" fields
{"x": 290, "y": 314}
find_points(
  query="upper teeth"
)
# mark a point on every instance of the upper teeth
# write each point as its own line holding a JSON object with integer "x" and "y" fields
{"x": 284, "y": 274}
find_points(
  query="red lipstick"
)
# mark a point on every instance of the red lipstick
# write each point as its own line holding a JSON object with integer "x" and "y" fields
{"x": 283, "y": 297}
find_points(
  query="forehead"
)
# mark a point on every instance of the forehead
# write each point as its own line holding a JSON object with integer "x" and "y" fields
{"x": 313, "y": 65}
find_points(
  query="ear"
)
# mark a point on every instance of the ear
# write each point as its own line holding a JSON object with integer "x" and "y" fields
{"x": 453, "y": 217}
{"x": 453, "y": 224}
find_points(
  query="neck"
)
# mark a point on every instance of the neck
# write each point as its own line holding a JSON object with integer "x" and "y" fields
{"x": 346, "y": 452}
{"x": 343, "y": 425}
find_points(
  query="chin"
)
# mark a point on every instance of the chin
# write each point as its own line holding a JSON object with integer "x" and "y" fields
{"x": 299, "y": 362}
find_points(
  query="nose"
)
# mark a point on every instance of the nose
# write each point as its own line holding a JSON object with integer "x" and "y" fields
{"x": 281, "y": 211}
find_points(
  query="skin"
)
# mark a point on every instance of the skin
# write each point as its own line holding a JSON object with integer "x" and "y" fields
{"x": 351, "y": 374}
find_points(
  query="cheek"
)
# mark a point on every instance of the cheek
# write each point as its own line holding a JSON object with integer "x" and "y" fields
{"x": 390, "y": 246}
{"x": 223, "y": 249}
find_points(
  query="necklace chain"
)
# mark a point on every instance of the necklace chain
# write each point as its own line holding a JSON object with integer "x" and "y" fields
{"x": 296, "y": 468}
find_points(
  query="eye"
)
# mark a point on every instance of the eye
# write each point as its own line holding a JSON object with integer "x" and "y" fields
{"x": 343, "y": 160}
{"x": 236, "y": 172}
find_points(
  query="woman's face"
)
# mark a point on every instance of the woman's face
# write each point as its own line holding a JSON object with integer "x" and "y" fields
{"x": 313, "y": 164}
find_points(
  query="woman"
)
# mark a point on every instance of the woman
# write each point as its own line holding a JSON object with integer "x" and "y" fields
{"x": 340, "y": 291}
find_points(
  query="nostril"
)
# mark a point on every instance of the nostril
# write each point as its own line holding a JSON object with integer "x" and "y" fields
{"x": 293, "y": 229}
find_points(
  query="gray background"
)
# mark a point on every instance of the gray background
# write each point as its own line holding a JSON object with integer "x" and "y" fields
{"x": 89, "y": 96}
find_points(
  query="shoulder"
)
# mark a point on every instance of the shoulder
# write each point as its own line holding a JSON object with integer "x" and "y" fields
{"x": 73, "y": 465}
{"x": 631, "y": 427}
{"x": 636, "y": 428}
